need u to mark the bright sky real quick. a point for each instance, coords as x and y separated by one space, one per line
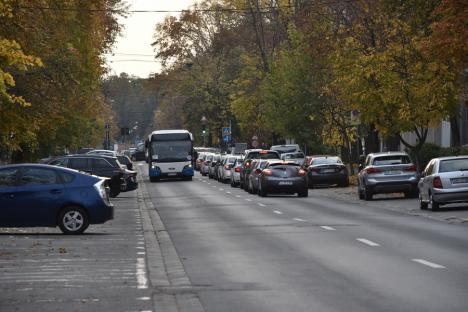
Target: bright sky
133 52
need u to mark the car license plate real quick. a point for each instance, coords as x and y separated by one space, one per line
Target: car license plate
285 183
459 180
172 174
328 170
392 172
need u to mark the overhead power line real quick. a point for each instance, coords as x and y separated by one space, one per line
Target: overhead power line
269 9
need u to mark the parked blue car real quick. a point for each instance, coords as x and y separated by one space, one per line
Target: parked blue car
34 195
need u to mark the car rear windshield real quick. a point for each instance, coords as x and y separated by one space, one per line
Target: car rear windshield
391 160
231 160
326 161
263 155
293 156
460 164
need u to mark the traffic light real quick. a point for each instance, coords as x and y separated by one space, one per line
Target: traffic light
203 129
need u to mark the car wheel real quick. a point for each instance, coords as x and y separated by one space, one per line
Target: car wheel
249 187
73 220
422 205
434 205
303 193
344 183
367 193
261 192
114 192
360 194
188 178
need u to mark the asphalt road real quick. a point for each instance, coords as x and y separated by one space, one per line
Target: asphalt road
241 252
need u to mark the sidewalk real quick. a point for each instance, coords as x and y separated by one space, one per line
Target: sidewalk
455 213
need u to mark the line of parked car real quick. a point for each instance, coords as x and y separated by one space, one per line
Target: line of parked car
282 169
69 191
285 169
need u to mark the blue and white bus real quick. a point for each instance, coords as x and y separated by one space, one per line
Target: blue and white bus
170 154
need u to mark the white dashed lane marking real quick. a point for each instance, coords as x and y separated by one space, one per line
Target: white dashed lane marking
367 242
429 264
329 228
300 220
238 196
261 205
248 199
277 212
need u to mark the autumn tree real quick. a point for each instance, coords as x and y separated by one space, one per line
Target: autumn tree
70 37
388 77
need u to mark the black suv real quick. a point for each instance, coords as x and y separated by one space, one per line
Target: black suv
103 166
246 167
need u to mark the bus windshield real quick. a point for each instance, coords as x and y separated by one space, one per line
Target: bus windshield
171 151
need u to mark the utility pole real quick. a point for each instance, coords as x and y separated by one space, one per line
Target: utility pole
107 141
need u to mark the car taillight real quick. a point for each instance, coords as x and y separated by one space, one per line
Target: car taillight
237 169
301 172
267 172
372 170
411 168
227 167
437 183
101 189
247 165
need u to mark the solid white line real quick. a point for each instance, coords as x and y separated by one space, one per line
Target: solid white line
329 228
367 242
262 205
300 220
429 264
277 212
247 199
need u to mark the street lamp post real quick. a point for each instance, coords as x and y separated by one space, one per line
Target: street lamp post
203 121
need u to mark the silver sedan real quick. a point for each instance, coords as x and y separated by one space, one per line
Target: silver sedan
444 181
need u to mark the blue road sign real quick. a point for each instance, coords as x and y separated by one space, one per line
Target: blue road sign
226 138
226 131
